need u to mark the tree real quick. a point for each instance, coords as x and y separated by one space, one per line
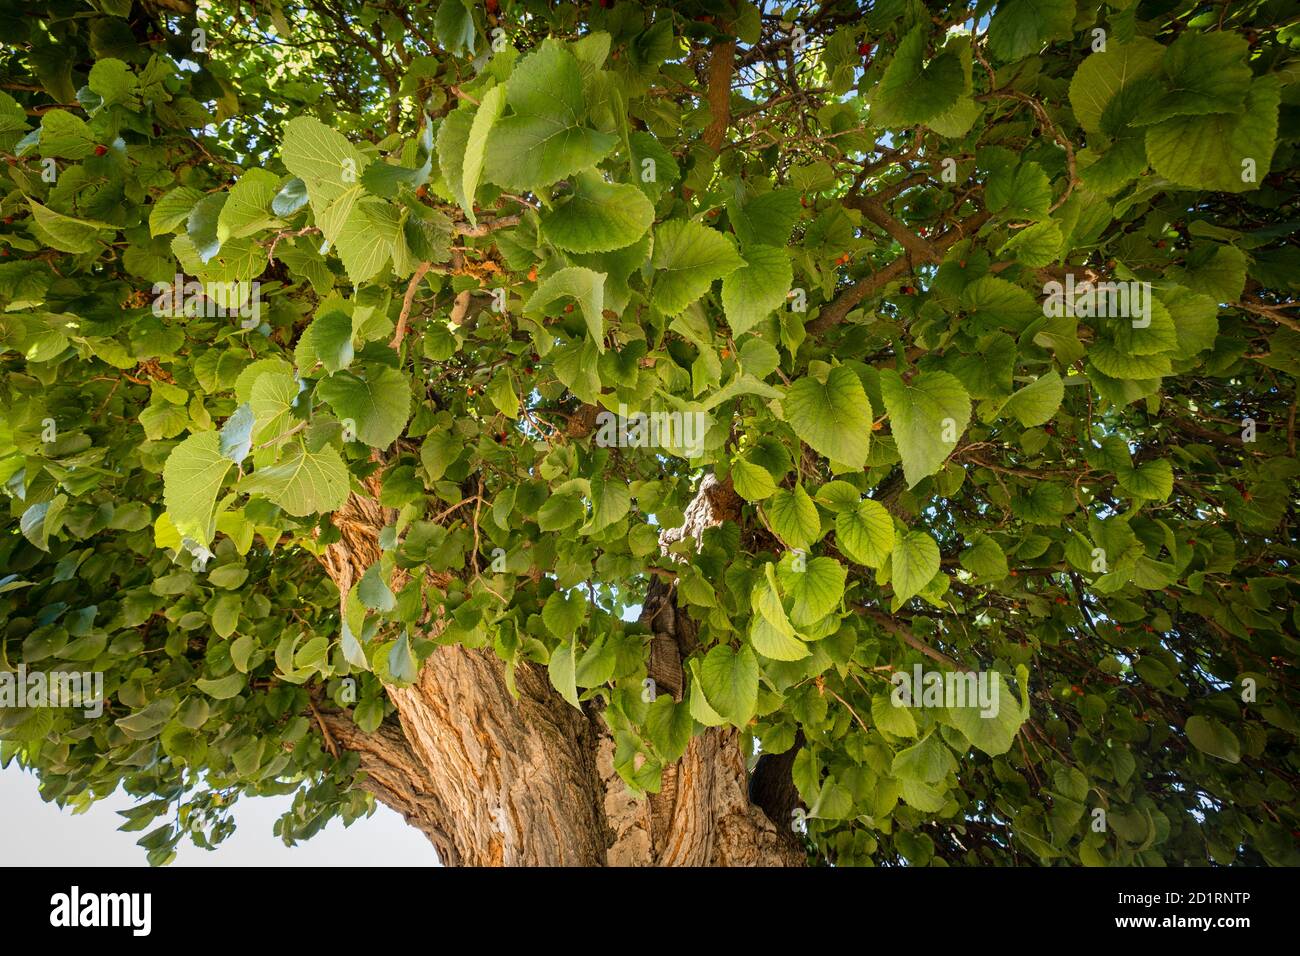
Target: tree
704 433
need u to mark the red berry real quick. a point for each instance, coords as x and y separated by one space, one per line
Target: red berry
101 150
864 49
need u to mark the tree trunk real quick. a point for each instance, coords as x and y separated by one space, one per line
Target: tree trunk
496 781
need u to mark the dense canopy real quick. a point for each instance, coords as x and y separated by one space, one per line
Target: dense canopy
614 405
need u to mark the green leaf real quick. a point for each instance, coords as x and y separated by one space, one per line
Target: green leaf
114 82
1195 319
752 482
560 512
1036 245
271 402
351 647
378 404
990 729
305 483
668 725
401 662
1020 192
485 118
985 559
373 591
729 680
543 141
201 227
563 671
914 561
65 233
1222 152
927 761
193 475
892 718
1212 737
172 209
775 644
793 517
236 435
453 24
247 209
1106 75
598 216
1022 27
610 501
330 166
222 688
327 340
453 148
1221 274
1206 73
1152 480
563 614
579 283
865 533
834 416
927 416
910 92
687 258
1038 401
995 301
501 391
756 289
764 220
814 591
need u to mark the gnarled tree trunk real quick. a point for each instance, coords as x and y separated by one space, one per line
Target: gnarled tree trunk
493 780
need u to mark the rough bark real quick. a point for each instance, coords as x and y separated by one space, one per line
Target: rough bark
493 780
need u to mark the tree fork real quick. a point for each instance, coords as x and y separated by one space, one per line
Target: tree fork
494 780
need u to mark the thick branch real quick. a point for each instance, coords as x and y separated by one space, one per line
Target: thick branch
847 300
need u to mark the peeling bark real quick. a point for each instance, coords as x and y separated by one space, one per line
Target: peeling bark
493 780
